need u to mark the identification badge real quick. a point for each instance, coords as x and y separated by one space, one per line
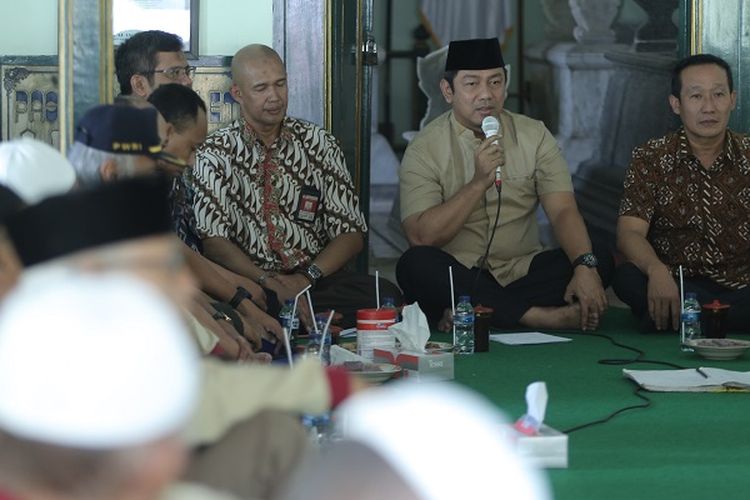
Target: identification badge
307 205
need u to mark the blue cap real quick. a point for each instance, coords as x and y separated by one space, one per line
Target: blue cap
121 130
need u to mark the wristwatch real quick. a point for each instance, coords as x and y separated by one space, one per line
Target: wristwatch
312 273
240 295
587 259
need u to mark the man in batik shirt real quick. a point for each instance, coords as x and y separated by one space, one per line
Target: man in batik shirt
687 203
274 200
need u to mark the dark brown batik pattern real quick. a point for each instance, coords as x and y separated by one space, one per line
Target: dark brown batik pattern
699 217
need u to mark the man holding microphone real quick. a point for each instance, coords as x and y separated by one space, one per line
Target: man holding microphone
452 206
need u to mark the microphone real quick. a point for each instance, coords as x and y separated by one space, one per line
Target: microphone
491 127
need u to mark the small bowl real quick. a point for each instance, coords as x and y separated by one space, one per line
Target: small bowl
376 373
719 349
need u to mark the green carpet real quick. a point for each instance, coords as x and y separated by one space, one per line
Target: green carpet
686 445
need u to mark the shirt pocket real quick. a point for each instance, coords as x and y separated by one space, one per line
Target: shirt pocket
519 194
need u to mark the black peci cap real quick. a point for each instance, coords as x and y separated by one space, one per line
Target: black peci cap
478 53
61 225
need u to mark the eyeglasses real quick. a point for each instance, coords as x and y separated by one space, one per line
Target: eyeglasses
175 73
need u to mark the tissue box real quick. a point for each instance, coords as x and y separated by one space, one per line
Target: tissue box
418 366
548 449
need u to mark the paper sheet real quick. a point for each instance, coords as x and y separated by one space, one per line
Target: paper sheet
524 338
348 332
689 380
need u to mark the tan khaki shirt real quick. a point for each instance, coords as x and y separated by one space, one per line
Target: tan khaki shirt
232 392
440 161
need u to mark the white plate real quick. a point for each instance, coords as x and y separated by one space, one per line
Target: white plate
719 349
439 346
383 373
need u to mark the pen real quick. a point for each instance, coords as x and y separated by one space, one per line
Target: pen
701 372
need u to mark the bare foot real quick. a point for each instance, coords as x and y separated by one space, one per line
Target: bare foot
564 317
446 322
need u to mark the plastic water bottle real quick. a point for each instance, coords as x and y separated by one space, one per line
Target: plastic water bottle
463 322
286 320
320 429
390 303
691 321
313 343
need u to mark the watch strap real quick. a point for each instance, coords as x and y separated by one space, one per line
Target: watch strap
240 295
587 259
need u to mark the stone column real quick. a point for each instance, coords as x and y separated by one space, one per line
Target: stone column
658 33
558 20
594 20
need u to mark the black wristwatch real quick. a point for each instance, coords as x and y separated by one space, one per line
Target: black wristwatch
587 259
312 273
240 295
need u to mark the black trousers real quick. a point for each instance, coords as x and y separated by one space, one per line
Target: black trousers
345 292
631 286
422 273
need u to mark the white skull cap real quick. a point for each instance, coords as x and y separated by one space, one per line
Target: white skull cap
94 362
422 429
34 170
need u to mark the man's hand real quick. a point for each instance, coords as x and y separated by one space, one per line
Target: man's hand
259 325
259 296
586 287
287 286
487 158
663 297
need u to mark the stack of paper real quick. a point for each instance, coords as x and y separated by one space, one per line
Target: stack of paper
691 380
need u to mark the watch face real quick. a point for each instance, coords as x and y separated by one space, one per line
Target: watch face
314 271
589 260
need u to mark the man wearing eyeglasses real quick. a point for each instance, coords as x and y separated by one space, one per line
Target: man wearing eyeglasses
150 59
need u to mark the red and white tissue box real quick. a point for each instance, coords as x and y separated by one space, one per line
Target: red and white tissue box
419 366
548 448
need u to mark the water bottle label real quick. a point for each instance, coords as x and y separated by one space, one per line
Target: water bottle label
690 316
465 318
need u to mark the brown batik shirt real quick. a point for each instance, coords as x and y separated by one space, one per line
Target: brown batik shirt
280 204
699 217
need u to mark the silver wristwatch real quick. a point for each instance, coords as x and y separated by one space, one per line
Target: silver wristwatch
313 273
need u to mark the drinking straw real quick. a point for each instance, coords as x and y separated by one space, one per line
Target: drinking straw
312 312
323 336
294 307
453 302
377 289
288 347
682 306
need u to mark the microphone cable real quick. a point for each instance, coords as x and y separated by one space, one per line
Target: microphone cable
483 260
638 392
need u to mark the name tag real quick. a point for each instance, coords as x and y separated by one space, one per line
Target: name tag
307 204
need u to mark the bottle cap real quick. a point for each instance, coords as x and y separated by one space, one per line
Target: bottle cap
716 305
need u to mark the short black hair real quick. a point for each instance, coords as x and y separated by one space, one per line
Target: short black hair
698 60
450 75
137 55
178 104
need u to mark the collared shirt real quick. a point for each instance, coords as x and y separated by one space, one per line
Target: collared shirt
183 217
440 161
698 217
280 204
